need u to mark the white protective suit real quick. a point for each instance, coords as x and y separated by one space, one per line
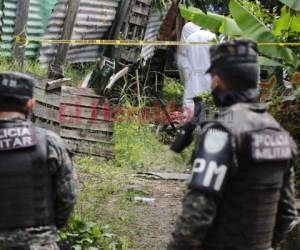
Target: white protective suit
193 62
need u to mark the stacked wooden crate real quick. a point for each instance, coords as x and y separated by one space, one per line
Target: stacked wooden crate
80 116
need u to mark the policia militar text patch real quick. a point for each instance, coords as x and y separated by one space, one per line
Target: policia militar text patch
271 145
17 137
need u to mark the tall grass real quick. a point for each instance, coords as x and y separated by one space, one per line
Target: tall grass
76 72
32 67
137 144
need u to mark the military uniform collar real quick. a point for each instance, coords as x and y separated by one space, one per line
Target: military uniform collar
255 107
13 119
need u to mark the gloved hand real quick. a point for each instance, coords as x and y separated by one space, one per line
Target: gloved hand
185 134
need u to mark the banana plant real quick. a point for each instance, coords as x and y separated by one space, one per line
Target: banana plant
255 29
289 21
213 22
201 4
244 24
293 4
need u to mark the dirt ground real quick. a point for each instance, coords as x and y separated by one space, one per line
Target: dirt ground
153 223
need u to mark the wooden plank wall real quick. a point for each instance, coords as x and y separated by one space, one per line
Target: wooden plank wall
46 110
80 116
86 125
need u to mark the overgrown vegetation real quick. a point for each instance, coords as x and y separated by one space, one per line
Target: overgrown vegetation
247 20
138 147
75 72
103 212
32 67
287 112
137 143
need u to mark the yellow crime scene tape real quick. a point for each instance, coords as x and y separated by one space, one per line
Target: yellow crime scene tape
25 42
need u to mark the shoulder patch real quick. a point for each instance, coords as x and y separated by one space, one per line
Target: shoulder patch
271 145
209 174
215 140
213 158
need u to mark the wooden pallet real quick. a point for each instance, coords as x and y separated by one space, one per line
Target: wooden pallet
80 116
46 110
86 125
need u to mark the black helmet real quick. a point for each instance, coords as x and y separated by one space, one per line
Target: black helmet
233 52
16 85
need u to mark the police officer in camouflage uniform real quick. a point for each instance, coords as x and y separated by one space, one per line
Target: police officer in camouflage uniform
241 192
37 178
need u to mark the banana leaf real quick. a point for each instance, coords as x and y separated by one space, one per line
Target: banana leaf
262 60
286 22
213 22
293 4
254 29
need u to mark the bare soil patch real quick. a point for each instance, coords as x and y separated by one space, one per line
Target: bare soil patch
153 223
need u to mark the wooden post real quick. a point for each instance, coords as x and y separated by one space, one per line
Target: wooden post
56 68
20 30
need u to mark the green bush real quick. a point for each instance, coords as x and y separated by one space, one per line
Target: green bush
103 213
287 112
82 235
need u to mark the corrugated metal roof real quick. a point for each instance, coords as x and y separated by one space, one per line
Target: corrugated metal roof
93 21
8 24
35 25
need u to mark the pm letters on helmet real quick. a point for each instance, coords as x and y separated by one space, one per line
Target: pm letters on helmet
16 137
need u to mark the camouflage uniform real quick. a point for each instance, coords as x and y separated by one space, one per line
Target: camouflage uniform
200 220
64 183
241 193
66 188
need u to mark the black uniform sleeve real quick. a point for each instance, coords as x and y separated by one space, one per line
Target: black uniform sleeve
287 212
213 159
64 179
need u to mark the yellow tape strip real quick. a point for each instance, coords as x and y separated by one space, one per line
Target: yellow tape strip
133 42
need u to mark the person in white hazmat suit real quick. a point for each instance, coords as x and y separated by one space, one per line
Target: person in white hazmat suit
193 61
